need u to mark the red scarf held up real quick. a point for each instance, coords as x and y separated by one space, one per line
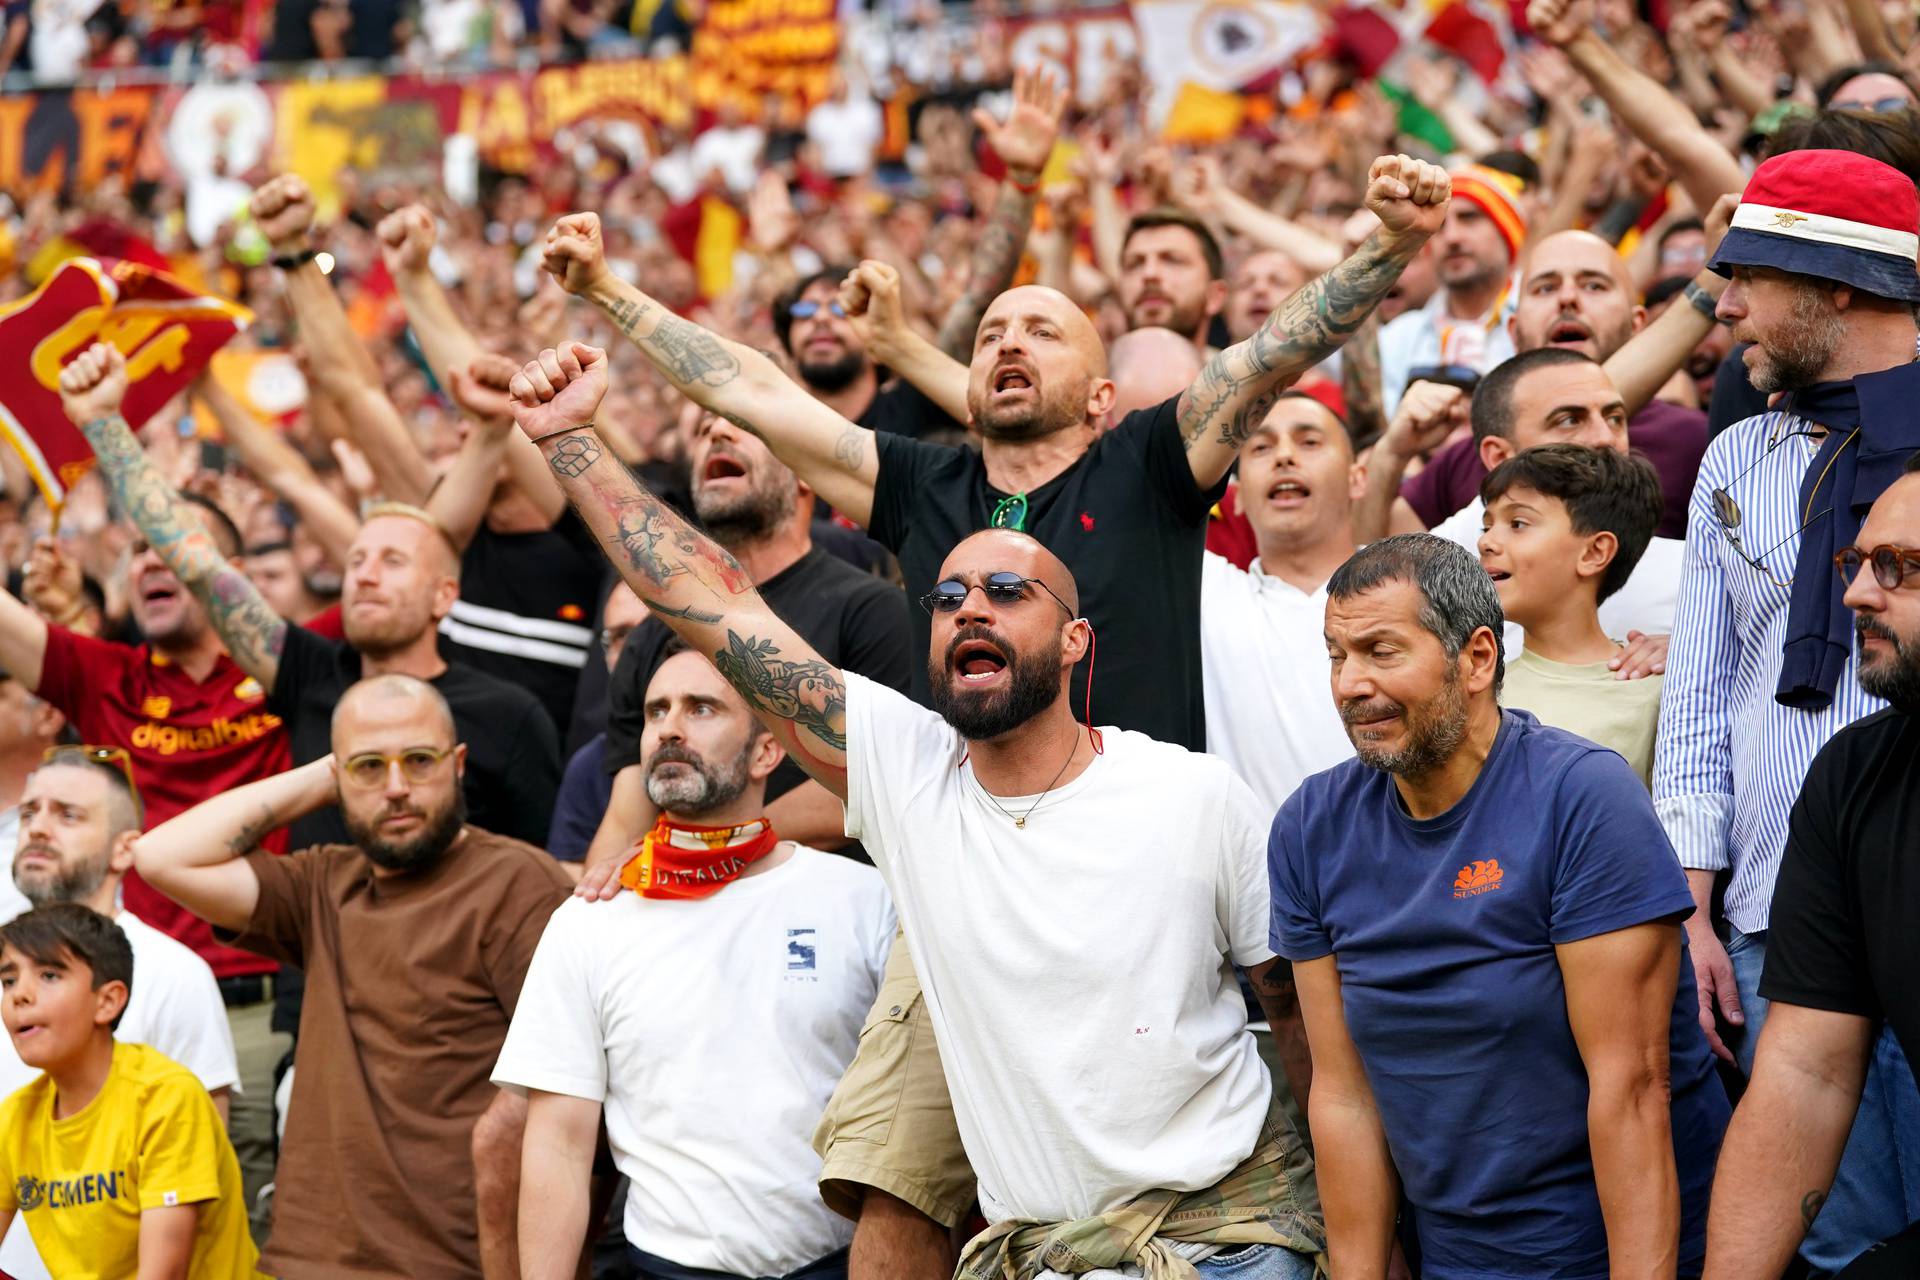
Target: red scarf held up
679 860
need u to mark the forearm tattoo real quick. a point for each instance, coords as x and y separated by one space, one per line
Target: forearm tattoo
254 634
681 349
810 693
1233 393
850 450
996 256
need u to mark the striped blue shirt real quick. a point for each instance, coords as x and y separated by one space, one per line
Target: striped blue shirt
1729 760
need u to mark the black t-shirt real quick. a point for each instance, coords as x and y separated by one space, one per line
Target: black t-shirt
852 619
513 751
1734 397
526 609
1845 931
1127 519
901 409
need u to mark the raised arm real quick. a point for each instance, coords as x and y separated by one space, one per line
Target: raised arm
871 298
1704 167
1358 1185
198 858
406 246
1199 188
279 466
1238 386
836 458
459 501
341 365
689 581
1023 142
91 389
1620 989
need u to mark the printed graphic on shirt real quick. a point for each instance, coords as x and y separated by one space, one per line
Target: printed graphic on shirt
1482 875
67 1193
802 947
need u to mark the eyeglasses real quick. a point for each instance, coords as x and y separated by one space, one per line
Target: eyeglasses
1891 564
1727 510
612 638
369 768
1879 106
1004 587
809 309
115 758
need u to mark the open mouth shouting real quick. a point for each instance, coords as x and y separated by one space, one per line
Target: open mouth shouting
1288 494
1011 381
1569 331
977 661
721 466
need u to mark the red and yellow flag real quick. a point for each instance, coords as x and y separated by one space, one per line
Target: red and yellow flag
166 331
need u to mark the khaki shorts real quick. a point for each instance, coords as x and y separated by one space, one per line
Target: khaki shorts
890 1122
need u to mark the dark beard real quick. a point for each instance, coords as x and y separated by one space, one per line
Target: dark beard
1896 677
717 788
419 853
755 516
835 375
1434 732
981 717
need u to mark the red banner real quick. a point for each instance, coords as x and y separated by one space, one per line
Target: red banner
166 331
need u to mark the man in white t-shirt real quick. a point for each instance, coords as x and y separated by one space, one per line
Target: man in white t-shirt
709 1012
78 818
846 127
28 726
1075 899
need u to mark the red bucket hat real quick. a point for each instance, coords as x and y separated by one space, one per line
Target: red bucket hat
1837 215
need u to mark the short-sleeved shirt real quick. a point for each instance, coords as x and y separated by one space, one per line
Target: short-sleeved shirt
150 1139
1128 519
1444 932
526 606
1590 700
189 741
1845 928
411 983
853 620
1672 437
513 750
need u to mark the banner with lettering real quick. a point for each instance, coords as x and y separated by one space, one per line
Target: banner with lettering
166 331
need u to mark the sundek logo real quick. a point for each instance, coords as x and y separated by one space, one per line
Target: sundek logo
67 1193
1483 875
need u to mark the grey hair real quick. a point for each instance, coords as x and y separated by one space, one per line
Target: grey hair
1458 596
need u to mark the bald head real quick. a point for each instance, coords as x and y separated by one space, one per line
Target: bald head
1575 292
1038 368
1010 551
392 701
1150 366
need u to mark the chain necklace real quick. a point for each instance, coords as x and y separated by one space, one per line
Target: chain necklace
1020 820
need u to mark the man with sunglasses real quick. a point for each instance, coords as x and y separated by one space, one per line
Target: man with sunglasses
400 1157
1844 942
1762 672
1012 833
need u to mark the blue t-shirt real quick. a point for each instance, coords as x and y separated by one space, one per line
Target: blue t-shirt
1444 933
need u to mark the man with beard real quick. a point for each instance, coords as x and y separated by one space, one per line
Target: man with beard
754 507
79 817
1762 670
1842 948
1483 920
402 577
1172 276
1106 504
1006 828
399 1158
770 943
1462 328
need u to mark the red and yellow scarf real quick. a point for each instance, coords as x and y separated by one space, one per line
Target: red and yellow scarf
679 860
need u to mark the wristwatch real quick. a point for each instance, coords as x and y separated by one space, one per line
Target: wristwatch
1703 302
294 261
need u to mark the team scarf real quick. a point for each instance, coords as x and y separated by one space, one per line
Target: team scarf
679 860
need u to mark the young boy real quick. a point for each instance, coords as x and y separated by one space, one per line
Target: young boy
115 1154
1564 527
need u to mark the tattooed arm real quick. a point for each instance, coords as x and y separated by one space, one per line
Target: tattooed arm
199 858
836 458
689 581
91 389
1236 388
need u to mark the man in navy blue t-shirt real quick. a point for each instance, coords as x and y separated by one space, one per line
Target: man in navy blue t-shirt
1483 916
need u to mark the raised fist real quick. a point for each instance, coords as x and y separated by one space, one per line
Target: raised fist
1428 413
93 386
575 255
406 238
1409 196
559 390
52 582
870 295
481 389
284 209
1559 22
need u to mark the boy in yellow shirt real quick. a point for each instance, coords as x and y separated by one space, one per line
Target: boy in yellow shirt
1564 527
115 1155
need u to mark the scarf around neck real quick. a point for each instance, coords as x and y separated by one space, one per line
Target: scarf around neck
681 860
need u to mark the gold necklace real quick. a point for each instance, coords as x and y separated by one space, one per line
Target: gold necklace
1020 820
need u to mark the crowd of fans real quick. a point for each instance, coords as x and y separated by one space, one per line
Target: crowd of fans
1087 706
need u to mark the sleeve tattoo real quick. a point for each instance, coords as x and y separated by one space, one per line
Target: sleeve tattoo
683 350
809 693
996 256
1238 386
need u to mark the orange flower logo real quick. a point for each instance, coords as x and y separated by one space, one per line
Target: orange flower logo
1483 875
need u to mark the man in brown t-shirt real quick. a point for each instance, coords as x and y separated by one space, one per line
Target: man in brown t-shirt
400 1158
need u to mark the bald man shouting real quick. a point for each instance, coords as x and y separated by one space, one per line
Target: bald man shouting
1115 1110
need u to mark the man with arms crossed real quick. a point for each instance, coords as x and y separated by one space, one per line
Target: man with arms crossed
772 943
1483 920
1141 1131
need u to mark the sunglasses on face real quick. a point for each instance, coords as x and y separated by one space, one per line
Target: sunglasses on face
1879 106
809 309
369 768
1002 588
1890 564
